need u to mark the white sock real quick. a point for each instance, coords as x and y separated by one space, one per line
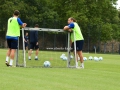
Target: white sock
36 56
11 62
82 64
29 57
76 64
7 58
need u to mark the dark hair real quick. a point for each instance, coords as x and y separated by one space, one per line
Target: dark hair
36 25
74 20
16 12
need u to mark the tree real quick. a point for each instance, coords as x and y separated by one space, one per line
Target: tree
7 8
99 19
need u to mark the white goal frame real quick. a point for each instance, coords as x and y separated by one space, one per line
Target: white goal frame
51 30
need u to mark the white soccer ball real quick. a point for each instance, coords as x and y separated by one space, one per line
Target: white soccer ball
63 54
64 58
71 57
84 58
61 57
100 58
47 64
96 59
90 58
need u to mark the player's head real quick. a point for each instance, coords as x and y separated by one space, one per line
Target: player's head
36 26
71 19
16 13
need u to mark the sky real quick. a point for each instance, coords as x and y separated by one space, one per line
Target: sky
118 2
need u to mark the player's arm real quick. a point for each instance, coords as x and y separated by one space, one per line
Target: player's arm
21 23
25 40
69 27
66 28
28 40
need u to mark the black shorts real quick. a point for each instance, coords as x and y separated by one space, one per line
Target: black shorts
12 43
79 45
33 45
26 44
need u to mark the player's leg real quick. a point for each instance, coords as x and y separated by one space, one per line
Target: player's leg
29 54
37 51
30 51
72 50
8 52
12 55
7 57
81 58
36 54
14 44
76 58
79 46
26 47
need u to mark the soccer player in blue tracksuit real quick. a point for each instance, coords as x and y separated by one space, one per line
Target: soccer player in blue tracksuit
26 41
34 42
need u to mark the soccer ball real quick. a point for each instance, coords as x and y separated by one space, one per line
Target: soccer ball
90 58
71 57
100 58
63 55
84 58
64 58
96 58
47 64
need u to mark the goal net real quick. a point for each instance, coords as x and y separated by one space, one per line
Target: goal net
54 47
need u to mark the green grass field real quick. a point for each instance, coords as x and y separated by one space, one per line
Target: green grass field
102 75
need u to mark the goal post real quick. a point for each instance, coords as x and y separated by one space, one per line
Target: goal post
74 65
24 59
50 54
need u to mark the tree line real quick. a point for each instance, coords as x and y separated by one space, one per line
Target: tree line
99 19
